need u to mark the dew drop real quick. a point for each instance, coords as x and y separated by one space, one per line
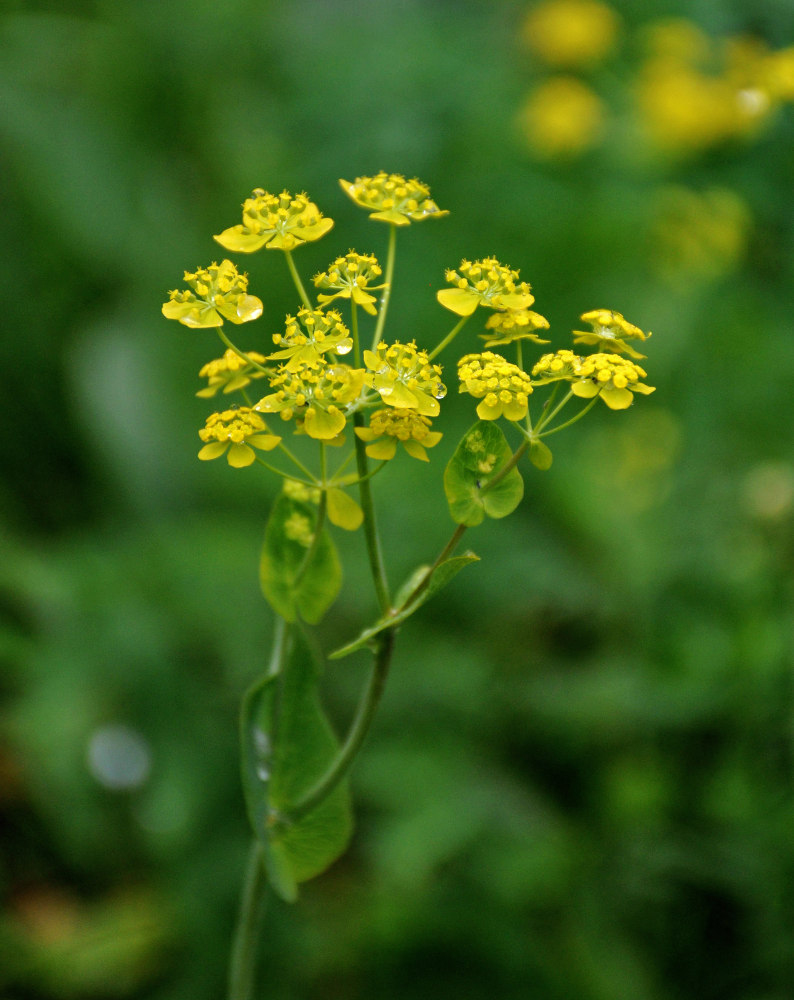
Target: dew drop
386 390
263 773
343 349
440 390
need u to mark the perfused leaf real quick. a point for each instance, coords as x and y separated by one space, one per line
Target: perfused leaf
292 585
343 511
479 458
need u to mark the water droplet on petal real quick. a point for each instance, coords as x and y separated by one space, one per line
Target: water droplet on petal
386 390
343 349
440 390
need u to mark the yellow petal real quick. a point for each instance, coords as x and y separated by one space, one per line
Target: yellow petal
265 442
584 390
241 240
461 301
395 218
324 424
617 399
415 450
212 450
240 455
343 511
382 450
486 412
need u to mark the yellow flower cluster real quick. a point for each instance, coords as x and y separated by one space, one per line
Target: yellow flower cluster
556 367
387 427
514 324
316 394
405 378
614 377
484 283
348 278
229 373
276 221
219 292
311 335
391 198
503 387
610 332
237 431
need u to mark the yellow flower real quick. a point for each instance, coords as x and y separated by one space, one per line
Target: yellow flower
405 378
514 324
779 73
229 373
610 332
562 117
311 335
240 431
316 394
392 198
387 427
348 278
614 377
572 33
219 293
484 283
276 221
503 387
556 367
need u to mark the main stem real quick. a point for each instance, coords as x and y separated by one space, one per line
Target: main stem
249 922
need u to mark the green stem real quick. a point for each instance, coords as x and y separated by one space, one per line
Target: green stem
239 353
296 462
449 338
318 529
297 279
573 420
249 922
284 475
447 551
359 728
388 281
509 464
374 552
354 331
546 417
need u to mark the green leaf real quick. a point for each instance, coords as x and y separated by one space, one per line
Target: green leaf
540 455
440 577
292 586
478 459
287 745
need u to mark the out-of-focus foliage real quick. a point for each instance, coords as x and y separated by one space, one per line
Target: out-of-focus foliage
580 781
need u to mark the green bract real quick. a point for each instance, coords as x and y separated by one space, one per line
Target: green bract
474 481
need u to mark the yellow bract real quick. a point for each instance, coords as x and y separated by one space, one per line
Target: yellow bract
311 335
219 293
613 377
503 387
404 377
229 373
239 431
387 427
610 332
348 277
316 394
484 283
391 198
276 221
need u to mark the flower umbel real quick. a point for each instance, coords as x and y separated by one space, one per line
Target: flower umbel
614 377
348 278
316 394
556 368
503 387
405 378
484 283
392 198
276 221
610 332
514 324
311 335
239 430
387 427
229 373
219 293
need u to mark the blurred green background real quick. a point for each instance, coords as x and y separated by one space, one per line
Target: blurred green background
579 783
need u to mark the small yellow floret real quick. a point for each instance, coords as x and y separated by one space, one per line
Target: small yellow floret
239 431
404 377
571 33
219 292
229 373
313 334
613 377
348 278
391 198
276 221
318 395
387 427
610 332
502 386
486 283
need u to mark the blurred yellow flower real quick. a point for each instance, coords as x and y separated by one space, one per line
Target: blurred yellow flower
387 427
276 221
229 373
405 378
503 387
613 377
237 431
392 198
562 117
779 74
571 33
218 293
484 283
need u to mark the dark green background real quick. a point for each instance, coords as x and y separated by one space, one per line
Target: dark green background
579 784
